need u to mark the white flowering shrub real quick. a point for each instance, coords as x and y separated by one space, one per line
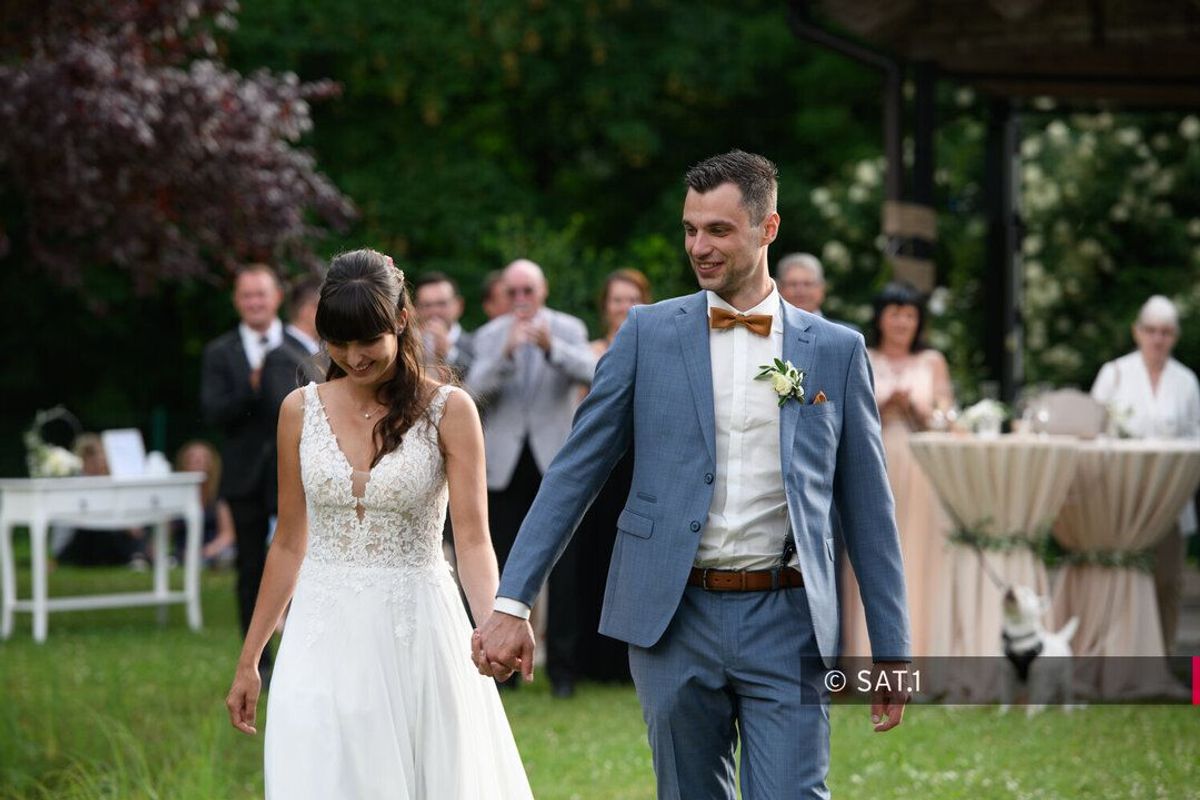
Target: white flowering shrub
1111 216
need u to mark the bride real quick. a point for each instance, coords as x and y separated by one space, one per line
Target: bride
374 692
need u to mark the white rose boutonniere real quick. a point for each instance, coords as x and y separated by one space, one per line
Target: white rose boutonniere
786 380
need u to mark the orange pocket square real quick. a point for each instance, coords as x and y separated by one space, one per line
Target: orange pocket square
820 398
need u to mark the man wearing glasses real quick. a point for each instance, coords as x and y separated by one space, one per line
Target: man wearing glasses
529 364
440 306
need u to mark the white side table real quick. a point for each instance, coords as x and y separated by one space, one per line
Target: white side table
99 503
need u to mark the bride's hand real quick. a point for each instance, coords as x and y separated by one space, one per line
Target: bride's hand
490 669
242 700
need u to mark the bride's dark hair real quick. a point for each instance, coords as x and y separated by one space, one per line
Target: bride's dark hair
362 297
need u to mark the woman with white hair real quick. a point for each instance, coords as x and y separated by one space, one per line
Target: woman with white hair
1157 397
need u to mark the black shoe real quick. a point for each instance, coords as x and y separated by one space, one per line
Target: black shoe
563 689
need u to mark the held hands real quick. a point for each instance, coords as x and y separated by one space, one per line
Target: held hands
242 700
890 695
503 645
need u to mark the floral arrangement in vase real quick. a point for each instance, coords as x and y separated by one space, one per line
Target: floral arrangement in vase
985 417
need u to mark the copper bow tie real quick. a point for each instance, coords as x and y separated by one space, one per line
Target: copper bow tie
721 320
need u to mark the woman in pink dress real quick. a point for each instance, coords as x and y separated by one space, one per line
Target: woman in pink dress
911 381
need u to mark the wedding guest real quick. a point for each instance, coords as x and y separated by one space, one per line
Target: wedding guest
219 541
88 547
231 400
801 281
495 298
1157 397
529 365
440 307
298 359
600 657
911 380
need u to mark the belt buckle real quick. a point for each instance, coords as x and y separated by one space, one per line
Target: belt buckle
704 579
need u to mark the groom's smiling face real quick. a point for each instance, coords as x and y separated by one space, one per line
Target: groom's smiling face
726 250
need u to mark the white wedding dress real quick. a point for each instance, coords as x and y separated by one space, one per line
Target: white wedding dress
374 693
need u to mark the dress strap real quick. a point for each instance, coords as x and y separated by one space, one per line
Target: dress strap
437 405
312 400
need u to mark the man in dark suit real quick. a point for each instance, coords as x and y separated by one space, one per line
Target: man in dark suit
231 400
440 306
297 361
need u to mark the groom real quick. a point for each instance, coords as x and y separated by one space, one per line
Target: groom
722 580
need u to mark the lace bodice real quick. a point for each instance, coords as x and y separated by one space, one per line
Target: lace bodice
397 522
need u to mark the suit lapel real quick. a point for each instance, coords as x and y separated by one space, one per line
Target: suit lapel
692 323
799 347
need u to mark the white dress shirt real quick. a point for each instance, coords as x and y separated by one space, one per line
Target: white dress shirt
747 522
310 344
1172 412
252 342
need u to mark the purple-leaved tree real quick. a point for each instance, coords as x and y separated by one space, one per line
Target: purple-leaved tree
125 141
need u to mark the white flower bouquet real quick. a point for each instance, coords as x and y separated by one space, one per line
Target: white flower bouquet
985 417
47 460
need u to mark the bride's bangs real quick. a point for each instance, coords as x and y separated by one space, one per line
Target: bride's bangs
354 312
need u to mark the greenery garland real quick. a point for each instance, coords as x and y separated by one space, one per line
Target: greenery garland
1044 547
1141 560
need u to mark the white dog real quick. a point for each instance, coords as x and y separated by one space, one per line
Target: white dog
1040 659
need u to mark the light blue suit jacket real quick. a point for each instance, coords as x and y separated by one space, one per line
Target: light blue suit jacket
654 389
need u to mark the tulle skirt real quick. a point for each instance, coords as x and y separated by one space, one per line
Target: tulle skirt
374 695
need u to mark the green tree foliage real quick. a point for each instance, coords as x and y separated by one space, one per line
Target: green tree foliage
473 133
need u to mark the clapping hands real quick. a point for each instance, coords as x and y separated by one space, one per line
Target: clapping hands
527 331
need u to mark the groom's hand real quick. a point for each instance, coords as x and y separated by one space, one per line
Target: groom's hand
891 682
506 643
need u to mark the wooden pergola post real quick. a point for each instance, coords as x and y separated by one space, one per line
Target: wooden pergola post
1004 337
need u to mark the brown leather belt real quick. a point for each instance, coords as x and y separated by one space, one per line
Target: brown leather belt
753 580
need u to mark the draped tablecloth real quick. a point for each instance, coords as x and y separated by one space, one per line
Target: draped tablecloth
1003 494
1126 496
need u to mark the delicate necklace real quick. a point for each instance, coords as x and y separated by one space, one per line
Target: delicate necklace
372 412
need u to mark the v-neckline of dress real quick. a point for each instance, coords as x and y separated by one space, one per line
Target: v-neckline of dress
370 473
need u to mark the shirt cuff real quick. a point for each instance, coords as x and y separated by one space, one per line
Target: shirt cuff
506 605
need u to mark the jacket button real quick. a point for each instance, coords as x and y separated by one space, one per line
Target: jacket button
708 477
695 526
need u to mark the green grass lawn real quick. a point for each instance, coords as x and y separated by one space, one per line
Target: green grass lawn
115 706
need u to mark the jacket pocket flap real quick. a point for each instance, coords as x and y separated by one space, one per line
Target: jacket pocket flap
635 524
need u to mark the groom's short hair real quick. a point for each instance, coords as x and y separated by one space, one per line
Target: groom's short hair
756 176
